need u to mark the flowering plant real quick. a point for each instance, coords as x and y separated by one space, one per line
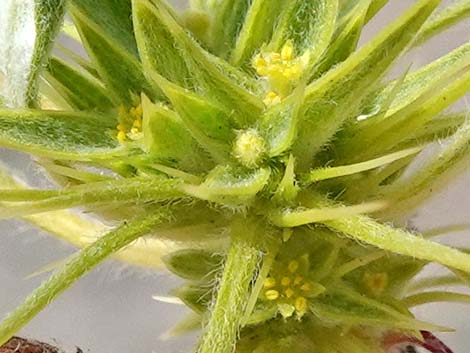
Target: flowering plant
249 147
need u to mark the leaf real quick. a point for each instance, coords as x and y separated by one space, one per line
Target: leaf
192 264
62 135
78 266
107 33
180 60
208 122
256 30
28 29
230 185
81 90
346 307
399 241
279 123
449 16
334 98
309 25
167 138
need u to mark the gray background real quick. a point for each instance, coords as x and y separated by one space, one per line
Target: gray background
112 310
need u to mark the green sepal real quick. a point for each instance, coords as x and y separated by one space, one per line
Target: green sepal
107 34
195 296
334 98
279 123
30 29
193 264
167 138
343 306
62 135
179 59
231 185
256 30
309 25
79 89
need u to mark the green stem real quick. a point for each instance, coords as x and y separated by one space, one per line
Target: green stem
82 263
227 315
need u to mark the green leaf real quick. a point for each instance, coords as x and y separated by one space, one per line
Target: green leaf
229 16
279 123
28 30
192 264
399 241
179 59
167 138
209 123
78 266
54 134
309 25
107 33
195 296
449 16
256 30
346 307
230 185
334 98
81 90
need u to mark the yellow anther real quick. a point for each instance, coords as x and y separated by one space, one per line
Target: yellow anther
298 280
300 305
275 57
293 266
287 52
271 99
307 287
289 293
285 281
137 123
271 294
134 131
121 136
269 282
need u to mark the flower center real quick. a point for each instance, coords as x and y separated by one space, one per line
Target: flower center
130 123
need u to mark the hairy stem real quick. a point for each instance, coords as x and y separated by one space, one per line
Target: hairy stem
227 315
82 263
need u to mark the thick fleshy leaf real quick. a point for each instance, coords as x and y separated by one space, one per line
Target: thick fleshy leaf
78 266
81 90
167 49
27 30
168 139
256 30
107 33
332 99
309 25
230 185
63 135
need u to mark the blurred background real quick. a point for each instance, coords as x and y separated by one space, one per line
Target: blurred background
112 311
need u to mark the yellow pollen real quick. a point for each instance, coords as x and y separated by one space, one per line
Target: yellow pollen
287 52
269 282
307 287
285 281
289 292
271 294
300 304
298 280
121 136
293 266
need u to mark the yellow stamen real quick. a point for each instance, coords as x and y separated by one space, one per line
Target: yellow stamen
271 294
301 304
285 281
298 280
289 292
134 131
293 266
269 282
121 136
287 52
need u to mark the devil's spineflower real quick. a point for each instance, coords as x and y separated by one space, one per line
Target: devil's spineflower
260 154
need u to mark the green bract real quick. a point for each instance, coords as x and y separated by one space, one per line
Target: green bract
251 148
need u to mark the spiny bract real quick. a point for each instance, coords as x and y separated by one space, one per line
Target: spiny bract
246 142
